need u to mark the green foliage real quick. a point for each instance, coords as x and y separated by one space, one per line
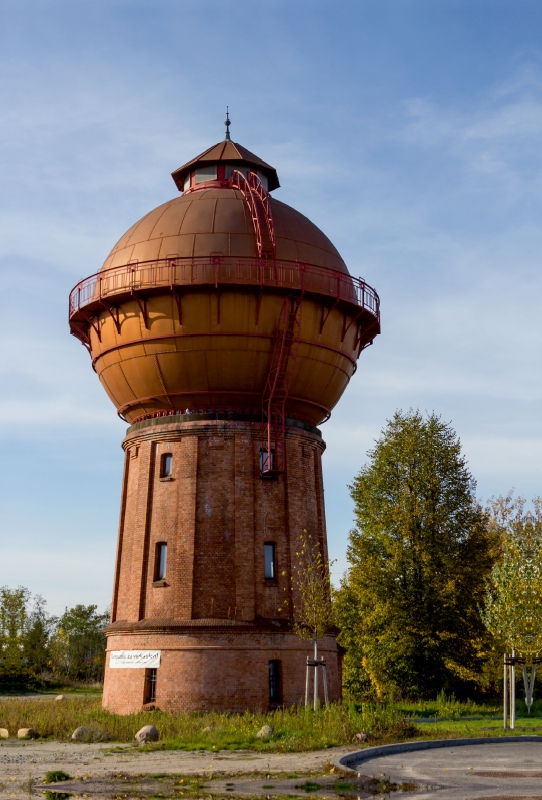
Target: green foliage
448 706
311 591
408 605
24 633
78 648
513 604
55 776
34 644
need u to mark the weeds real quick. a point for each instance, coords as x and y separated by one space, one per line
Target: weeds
447 706
296 729
55 776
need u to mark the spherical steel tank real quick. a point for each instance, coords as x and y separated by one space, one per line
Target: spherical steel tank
221 297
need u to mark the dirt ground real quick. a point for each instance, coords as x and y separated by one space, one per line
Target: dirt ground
23 760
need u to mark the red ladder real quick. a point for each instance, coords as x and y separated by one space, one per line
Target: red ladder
287 335
257 199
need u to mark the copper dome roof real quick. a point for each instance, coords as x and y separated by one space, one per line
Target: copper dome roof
218 221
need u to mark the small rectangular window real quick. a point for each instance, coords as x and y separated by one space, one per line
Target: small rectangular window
269 558
275 688
206 174
150 685
230 167
165 465
160 561
263 179
186 184
267 462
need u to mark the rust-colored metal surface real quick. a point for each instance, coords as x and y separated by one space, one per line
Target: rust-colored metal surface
183 333
188 310
219 221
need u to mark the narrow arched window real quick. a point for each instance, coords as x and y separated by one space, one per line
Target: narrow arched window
160 561
166 462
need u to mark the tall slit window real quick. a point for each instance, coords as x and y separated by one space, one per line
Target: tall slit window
270 561
166 463
150 685
275 689
160 561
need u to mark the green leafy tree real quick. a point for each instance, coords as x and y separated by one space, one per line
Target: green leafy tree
310 588
311 592
78 647
14 666
408 605
513 604
39 629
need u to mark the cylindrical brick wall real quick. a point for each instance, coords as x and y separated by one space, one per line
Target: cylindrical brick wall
215 617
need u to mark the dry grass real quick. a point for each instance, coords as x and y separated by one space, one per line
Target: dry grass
296 729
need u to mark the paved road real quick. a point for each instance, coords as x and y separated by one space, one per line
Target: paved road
508 770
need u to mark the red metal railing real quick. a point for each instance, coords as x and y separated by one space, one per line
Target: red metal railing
257 199
217 270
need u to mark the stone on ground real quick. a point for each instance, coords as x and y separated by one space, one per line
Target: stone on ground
27 733
148 733
264 732
60 697
362 736
4 733
82 734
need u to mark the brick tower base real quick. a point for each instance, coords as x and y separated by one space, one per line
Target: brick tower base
222 624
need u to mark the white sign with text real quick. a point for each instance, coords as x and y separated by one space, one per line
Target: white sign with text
134 659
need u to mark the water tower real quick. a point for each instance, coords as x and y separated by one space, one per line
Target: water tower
224 326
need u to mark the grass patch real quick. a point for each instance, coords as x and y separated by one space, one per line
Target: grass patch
462 729
450 707
296 729
55 776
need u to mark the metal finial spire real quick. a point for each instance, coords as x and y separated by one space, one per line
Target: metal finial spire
227 123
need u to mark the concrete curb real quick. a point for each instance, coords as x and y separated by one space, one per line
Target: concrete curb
345 762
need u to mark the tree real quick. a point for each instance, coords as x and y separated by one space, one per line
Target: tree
408 605
39 628
513 603
311 597
78 648
14 667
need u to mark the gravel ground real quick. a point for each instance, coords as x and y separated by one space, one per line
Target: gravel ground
21 761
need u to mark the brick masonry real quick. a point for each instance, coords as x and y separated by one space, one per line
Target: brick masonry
216 619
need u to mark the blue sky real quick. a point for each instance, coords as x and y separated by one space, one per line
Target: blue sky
410 131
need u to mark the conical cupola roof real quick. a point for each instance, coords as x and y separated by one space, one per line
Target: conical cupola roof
231 153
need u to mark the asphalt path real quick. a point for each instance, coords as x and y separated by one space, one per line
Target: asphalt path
510 770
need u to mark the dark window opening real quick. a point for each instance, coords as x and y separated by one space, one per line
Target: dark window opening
160 561
165 465
267 462
150 685
270 561
275 688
